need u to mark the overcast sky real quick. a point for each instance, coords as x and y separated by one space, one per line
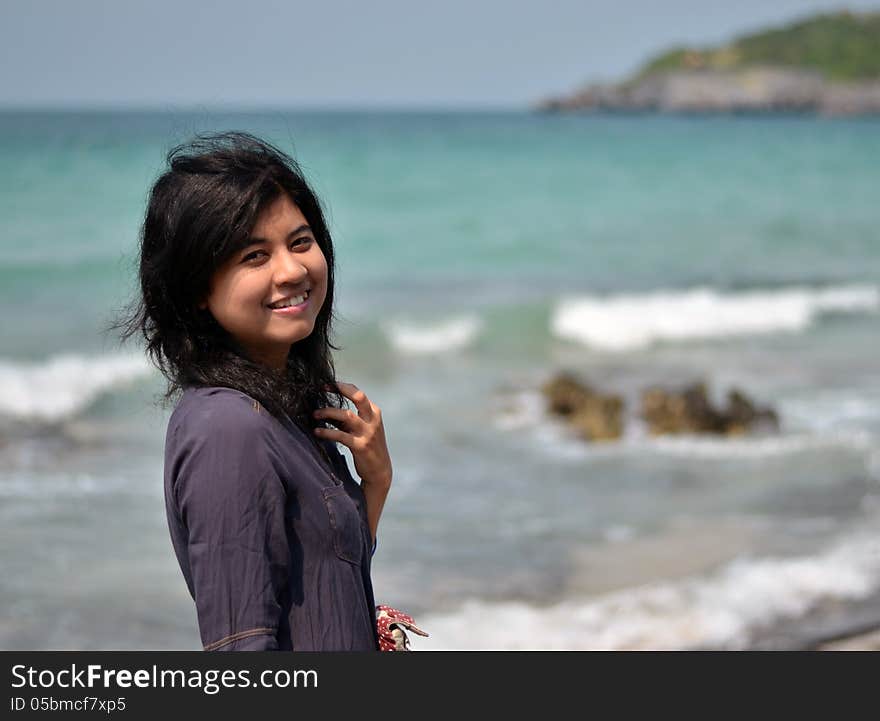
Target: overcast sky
332 53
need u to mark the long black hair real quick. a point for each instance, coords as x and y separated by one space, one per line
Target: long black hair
200 211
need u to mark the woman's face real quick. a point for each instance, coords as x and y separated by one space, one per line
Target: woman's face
282 264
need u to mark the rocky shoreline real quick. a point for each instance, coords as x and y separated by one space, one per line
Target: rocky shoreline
768 89
596 416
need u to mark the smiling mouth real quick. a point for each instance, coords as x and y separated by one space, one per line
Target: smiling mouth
291 301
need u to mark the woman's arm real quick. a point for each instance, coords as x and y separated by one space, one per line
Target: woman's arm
375 493
233 503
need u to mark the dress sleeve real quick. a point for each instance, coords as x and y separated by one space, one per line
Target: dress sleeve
232 502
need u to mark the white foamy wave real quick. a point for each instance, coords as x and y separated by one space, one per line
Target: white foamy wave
523 410
690 446
64 384
618 533
827 410
716 611
51 486
447 335
627 322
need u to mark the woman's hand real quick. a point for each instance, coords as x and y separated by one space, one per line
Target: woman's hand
362 432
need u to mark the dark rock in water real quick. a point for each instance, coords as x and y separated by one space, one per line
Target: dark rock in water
597 417
686 412
594 416
565 394
743 415
690 411
600 419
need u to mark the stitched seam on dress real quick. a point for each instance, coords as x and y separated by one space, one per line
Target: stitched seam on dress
236 636
335 530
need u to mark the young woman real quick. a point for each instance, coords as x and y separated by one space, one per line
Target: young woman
273 535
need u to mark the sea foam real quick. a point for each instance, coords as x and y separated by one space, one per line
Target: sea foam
441 336
627 322
716 611
63 385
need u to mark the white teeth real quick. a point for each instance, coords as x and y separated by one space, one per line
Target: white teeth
289 302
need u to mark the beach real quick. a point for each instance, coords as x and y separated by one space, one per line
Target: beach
479 255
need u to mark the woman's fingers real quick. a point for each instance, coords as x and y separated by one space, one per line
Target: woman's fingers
362 432
358 397
340 416
333 434
351 425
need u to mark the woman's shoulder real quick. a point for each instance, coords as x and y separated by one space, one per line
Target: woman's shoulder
219 442
215 409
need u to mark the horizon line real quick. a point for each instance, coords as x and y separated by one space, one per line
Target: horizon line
258 107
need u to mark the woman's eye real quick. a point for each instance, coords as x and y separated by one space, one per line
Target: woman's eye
255 255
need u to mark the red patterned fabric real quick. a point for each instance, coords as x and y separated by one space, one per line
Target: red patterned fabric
391 624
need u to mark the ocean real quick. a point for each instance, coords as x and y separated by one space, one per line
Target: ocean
478 255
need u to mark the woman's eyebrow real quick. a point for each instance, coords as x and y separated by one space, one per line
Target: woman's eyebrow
253 240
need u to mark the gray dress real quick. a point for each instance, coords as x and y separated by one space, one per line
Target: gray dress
273 543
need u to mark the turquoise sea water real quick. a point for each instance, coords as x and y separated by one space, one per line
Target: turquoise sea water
477 254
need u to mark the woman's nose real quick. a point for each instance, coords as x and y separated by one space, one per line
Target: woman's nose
288 269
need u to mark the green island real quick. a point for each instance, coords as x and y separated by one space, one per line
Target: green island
827 64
